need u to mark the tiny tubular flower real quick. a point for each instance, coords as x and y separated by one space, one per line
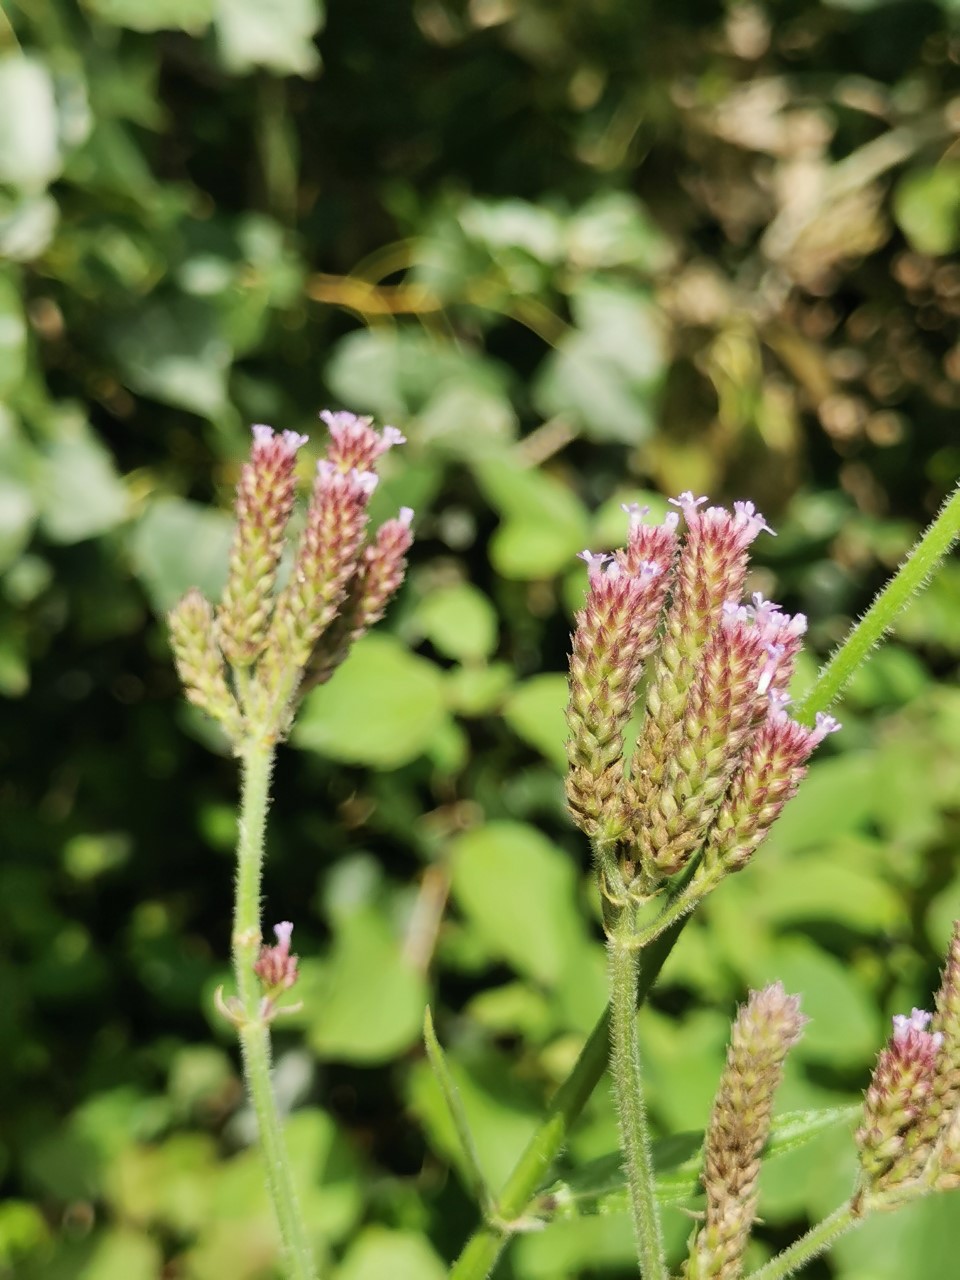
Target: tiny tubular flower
275 966
354 442
765 1030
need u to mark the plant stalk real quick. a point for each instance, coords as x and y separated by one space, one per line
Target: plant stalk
909 579
483 1249
816 1240
254 1029
631 1108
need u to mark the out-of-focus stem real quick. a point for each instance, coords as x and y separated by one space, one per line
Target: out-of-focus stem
253 1028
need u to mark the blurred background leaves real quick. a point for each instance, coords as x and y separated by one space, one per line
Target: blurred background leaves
582 255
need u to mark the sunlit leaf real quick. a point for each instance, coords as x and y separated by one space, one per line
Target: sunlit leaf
383 707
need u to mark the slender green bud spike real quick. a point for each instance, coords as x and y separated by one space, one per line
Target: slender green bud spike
765 1030
199 662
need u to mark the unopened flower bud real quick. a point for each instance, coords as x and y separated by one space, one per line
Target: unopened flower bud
768 774
897 1103
376 581
766 1028
676 795
265 498
199 662
276 967
615 632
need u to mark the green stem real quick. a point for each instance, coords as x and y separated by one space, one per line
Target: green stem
254 1028
483 1249
628 1088
869 631
816 1240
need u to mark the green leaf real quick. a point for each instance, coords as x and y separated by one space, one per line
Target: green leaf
17 517
371 999
606 372
401 1255
192 16
544 524
808 888
518 890
614 229
477 691
467 421
844 1028
459 621
383 708
124 1254
276 34
177 545
23 1231
13 337
79 492
468 1152
397 373
30 155
599 1185
926 205
835 797
501 1109
536 711
175 352
27 226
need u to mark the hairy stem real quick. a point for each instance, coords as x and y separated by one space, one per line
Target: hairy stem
628 1089
816 1240
483 1249
254 1029
909 579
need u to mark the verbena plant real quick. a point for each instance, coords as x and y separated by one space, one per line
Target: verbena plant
719 753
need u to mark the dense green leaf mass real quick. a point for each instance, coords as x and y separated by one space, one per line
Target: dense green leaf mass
582 255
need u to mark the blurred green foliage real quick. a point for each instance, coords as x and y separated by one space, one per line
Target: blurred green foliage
581 254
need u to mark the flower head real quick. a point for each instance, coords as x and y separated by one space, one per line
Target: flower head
276 967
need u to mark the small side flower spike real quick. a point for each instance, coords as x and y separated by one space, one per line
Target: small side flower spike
899 1132
765 1030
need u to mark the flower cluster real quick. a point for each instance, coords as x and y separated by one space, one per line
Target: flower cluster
718 755
909 1138
338 585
